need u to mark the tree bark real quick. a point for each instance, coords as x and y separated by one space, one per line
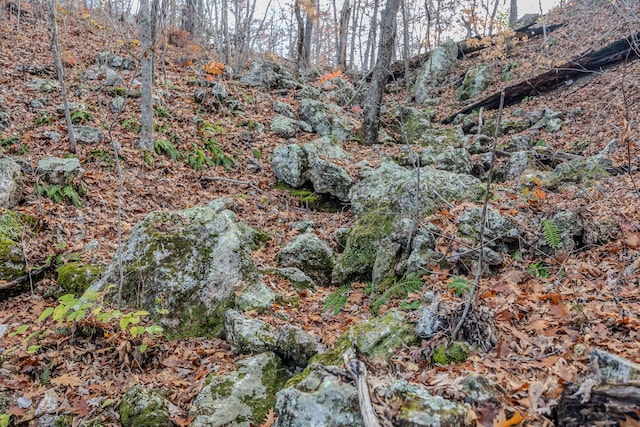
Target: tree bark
146 131
345 14
513 12
371 123
55 49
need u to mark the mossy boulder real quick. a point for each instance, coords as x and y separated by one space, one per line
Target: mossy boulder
327 119
476 80
142 407
12 224
11 179
242 397
188 264
248 335
75 278
579 171
444 354
385 198
434 72
310 254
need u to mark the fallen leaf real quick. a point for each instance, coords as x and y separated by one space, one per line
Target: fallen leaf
67 380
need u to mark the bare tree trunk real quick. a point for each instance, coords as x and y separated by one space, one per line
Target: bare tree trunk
300 60
513 12
225 33
146 132
55 49
308 33
371 123
405 42
345 13
354 32
493 16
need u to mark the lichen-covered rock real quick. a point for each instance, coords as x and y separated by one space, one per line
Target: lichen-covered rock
263 72
615 369
248 335
476 80
519 162
289 163
87 134
12 262
386 196
579 171
326 176
549 119
284 127
454 160
297 346
10 182
338 91
255 296
410 123
48 408
189 262
419 408
284 109
142 407
320 399
326 119
73 106
311 255
500 232
242 397
43 85
117 104
298 279
75 278
569 228
435 70
5 120
59 171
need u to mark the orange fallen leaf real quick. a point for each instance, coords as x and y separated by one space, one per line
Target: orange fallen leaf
516 419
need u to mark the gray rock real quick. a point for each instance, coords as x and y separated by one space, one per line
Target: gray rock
434 72
47 409
581 170
284 109
298 279
87 134
480 390
73 106
476 80
263 72
418 408
549 119
144 407
256 296
499 231
242 397
117 104
430 322
570 228
37 104
311 255
104 57
55 170
519 162
284 127
10 182
105 74
412 123
326 119
248 335
615 369
309 92
43 85
386 196
454 160
338 91
5 120
297 346
321 399
289 163
52 135
111 78
197 259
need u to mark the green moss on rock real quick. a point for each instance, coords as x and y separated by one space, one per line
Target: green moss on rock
456 353
75 278
143 408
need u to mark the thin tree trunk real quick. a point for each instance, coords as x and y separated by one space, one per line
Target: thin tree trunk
345 13
55 49
300 60
146 132
513 12
371 123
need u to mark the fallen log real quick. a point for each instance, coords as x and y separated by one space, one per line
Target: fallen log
606 405
621 50
465 48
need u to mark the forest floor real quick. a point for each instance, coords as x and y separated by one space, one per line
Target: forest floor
545 321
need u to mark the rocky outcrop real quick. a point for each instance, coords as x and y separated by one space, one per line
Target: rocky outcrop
144 407
269 74
10 183
59 171
311 255
327 119
435 70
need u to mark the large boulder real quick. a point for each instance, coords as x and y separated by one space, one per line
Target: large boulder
142 407
267 73
310 254
10 182
476 80
383 201
248 335
12 225
240 398
87 134
435 71
58 171
296 165
326 119
190 262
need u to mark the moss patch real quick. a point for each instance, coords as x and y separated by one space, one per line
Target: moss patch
456 353
75 278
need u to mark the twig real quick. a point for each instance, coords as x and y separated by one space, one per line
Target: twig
358 371
485 205
232 181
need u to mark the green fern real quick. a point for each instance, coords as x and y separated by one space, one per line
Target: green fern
460 285
337 299
551 233
398 289
70 193
167 147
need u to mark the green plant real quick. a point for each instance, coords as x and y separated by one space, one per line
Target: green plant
507 70
167 147
43 119
59 193
398 288
131 125
551 233
197 159
149 157
162 111
81 116
538 269
9 140
257 153
5 420
118 91
220 158
337 299
460 285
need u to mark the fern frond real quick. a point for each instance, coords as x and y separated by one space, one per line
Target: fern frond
337 299
397 290
551 233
